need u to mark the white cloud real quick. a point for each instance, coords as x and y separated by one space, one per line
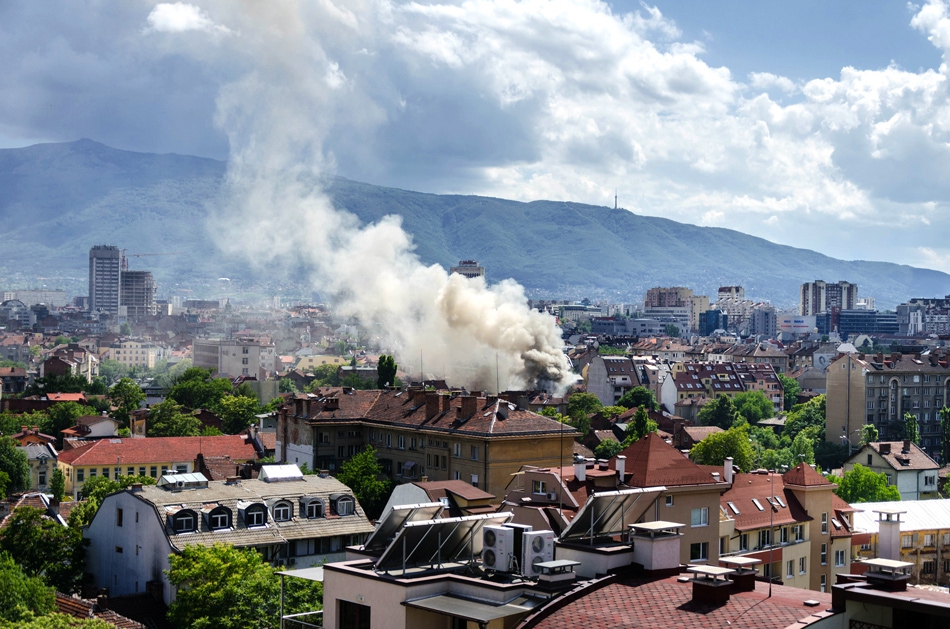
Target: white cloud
767 80
180 17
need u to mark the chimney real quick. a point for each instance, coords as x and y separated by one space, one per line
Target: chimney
906 448
432 405
469 405
136 487
418 397
446 403
727 470
889 533
621 464
331 404
885 448
424 479
323 473
580 469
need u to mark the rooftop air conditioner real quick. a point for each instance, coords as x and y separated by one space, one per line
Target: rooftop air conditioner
538 547
497 544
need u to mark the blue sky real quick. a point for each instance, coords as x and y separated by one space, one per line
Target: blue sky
823 125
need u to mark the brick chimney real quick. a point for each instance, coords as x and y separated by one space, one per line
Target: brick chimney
885 448
418 397
446 403
906 448
432 405
469 406
331 404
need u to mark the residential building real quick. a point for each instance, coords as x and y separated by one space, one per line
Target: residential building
137 294
42 460
291 519
136 353
730 292
764 321
230 358
924 316
154 456
32 434
879 389
906 466
762 377
609 377
468 268
105 286
457 497
820 296
479 440
792 522
924 536
690 380
93 427
13 380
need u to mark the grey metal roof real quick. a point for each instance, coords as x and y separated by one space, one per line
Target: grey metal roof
921 515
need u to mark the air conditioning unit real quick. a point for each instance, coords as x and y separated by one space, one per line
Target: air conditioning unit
538 547
552 495
497 545
292 561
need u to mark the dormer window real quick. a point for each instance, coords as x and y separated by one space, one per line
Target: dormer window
254 514
282 512
344 505
314 509
184 521
216 517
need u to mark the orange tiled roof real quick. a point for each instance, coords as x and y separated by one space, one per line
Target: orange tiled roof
651 462
159 450
761 487
805 475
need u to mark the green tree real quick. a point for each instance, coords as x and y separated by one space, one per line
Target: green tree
640 426
581 423
323 376
583 326
911 428
811 413
53 383
112 371
862 484
94 490
638 397
15 464
714 449
56 620
237 413
671 330
286 385
125 329
608 449
586 403
197 388
945 436
45 548
869 434
790 390
386 371
361 474
61 416
222 587
608 350
22 595
167 420
611 412
4 484
126 396
754 406
167 379
720 412
57 485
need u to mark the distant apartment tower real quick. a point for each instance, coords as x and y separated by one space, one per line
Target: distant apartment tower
731 292
664 302
820 296
105 279
468 268
231 358
138 294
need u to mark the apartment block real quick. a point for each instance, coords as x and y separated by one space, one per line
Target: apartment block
820 296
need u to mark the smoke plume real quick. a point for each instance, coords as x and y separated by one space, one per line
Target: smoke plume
276 214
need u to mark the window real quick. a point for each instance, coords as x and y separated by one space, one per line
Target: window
340 452
219 520
118 517
474 480
105 472
946 540
839 558
699 517
80 475
164 470
824 583
142 471
244 361
42 478
474 453
401 442
699 551
457 451
412 443
824 523
907 541
824 554
92 472
928 480
118 549
184 522
344 506
799 532
870 460
758 505
314 509
538 487
458 475
765 538
790 568
254 517
928 567
928 540
669 501
743 541
153 472
282 512
802 563
783 535
946 565
389 441
243 350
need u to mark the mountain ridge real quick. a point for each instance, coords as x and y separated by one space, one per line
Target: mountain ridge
58 199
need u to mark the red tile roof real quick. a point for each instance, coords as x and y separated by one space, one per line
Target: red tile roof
66 397
159 450
654 603
652 462
805 475
761 487
914 459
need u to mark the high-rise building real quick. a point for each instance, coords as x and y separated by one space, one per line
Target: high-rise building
138 294
105 285
820 296
468 268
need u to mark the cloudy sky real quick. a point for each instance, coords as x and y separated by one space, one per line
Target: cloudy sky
822 125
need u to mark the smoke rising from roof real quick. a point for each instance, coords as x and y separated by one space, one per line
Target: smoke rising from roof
276 214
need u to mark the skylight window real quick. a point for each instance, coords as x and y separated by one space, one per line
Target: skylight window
758 505
780 501
732 506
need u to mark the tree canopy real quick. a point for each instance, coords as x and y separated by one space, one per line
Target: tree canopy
945 436
126 396
640 426
811 413
198 388
715 448
790 390
754 406
720 412
639 397
15 464
93 492
22 595
862 484
386 371
911 428
167 420
237 412
586 403
361 474
45 548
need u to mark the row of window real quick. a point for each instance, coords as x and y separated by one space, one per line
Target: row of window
153 471
254 514
910 540
387 439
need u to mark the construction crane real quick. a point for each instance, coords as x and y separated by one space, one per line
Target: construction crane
125 257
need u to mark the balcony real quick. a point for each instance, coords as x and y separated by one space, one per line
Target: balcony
306 620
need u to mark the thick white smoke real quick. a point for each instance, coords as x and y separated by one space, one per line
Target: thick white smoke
277 117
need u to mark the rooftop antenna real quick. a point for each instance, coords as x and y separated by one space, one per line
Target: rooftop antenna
615 198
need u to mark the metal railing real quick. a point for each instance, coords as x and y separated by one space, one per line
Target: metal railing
305 620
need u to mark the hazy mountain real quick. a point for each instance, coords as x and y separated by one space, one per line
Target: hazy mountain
56 200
